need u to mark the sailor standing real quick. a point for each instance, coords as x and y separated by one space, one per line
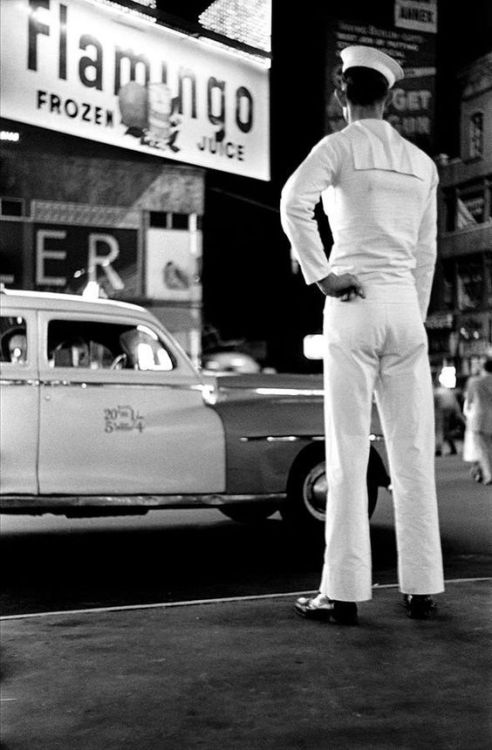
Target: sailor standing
379 193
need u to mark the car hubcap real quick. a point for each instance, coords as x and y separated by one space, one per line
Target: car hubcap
315 491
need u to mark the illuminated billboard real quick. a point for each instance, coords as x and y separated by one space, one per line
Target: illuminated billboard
404 29
92 71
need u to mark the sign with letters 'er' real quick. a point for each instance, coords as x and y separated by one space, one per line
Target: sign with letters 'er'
97 73
67 257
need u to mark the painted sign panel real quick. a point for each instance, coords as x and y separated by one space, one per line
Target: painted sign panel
94 72
11 259
172 265
66 257
419 15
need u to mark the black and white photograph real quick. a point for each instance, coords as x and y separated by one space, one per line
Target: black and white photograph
245 375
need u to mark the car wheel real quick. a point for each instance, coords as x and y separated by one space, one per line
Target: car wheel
308 493
254 513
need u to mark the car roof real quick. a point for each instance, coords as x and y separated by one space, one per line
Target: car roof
57 301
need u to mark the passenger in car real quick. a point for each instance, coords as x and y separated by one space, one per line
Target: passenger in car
18 348
14 345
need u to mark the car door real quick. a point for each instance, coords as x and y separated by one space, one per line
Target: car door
19 399
122 412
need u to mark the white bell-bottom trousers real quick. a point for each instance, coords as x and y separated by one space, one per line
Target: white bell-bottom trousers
378 345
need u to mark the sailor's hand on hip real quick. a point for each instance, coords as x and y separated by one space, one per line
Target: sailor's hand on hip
346 286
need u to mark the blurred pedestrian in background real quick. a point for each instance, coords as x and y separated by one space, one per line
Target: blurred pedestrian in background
449 418
379 192
477 448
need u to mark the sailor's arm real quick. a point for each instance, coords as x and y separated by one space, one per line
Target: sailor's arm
299 197
426 251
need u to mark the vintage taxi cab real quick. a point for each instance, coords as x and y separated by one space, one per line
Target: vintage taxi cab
102 412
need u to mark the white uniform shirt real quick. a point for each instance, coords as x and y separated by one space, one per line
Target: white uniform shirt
379 193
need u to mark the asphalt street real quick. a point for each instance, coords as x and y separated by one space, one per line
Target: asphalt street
57 564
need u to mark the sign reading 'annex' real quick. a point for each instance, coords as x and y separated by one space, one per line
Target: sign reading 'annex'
77 68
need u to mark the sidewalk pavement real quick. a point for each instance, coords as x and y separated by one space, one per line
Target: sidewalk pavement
248 674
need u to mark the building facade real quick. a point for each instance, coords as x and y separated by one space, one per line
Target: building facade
460 326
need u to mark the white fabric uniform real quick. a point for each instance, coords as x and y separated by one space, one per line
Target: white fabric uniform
379 192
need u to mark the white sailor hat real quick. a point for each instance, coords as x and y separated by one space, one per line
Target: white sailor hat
369 57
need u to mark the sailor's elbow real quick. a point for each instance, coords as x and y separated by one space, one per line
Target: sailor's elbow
290 206
285 198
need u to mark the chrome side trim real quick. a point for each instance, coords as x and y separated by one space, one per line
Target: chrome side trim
279 438
54 502
284 393
289 391
101 384
20 381
373 438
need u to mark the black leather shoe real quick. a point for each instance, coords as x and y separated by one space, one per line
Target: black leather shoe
320 607
419 606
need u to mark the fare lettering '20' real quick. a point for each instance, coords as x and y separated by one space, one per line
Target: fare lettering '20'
90 69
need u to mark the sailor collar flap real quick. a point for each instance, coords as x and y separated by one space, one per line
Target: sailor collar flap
385 150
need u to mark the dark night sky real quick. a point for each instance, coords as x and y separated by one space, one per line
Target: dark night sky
464 34
465 29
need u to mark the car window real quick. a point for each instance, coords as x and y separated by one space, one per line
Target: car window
111 346
13 340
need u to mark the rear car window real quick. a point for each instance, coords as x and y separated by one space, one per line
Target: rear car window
13 340
110 346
